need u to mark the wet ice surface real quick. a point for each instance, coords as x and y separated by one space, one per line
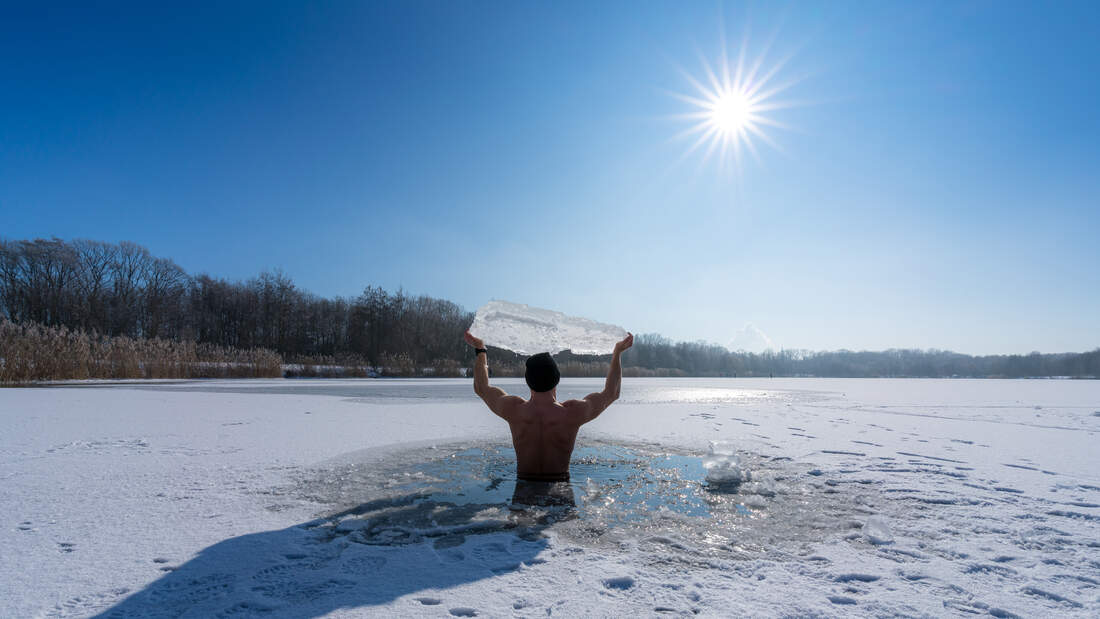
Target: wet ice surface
350 498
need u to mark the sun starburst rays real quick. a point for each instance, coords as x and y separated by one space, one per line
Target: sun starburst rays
733 104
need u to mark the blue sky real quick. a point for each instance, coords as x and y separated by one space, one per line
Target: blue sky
938 185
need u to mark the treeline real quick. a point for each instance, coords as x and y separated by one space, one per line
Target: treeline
654 352
121 290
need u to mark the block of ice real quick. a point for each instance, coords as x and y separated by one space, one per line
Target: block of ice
723 466
528 330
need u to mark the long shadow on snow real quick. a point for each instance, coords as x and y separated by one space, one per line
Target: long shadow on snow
368 555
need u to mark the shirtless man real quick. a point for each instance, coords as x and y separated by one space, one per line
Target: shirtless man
543 429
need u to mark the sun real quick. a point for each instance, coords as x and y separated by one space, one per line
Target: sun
730 112
733 106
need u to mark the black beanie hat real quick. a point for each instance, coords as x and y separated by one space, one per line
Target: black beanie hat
542 373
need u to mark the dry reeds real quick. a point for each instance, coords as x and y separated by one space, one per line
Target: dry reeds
31 352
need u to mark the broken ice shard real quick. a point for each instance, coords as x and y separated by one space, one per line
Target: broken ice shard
529 330
723 466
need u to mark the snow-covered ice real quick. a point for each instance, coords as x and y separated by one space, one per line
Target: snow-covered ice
529 330
284 498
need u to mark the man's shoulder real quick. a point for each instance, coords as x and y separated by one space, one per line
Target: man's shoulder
574 405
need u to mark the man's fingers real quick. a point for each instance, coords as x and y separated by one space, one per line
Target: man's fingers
473 341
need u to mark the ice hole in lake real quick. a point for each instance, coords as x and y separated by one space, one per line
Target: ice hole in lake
723 500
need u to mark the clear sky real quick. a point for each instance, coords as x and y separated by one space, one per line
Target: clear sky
937 185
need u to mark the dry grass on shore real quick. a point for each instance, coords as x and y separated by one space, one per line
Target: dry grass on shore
32 352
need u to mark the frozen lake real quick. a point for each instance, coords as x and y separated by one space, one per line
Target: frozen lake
359 497
638 391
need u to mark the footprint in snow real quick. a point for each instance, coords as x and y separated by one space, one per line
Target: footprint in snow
1054 597
297 592
83 605
855 577
244 609
841 599
181 594
364 565
463 611
452 555
621 583
161 561
66 546
493 554
274 573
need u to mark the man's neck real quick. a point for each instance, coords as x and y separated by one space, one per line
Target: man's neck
544 396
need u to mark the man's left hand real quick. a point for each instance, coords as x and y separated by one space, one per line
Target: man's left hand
473 341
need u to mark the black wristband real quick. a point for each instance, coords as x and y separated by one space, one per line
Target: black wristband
478 351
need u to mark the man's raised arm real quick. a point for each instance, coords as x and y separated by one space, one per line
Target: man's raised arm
502 404
596 403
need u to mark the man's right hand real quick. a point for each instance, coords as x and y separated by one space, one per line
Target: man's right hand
626 342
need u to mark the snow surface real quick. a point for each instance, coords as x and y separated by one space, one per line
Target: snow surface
344 498
529 330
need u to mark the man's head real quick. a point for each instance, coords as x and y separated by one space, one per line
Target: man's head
542 373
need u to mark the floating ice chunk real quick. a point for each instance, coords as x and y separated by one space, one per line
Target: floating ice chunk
877 532
723 466
528 330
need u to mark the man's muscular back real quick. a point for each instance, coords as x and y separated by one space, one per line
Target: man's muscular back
543 433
